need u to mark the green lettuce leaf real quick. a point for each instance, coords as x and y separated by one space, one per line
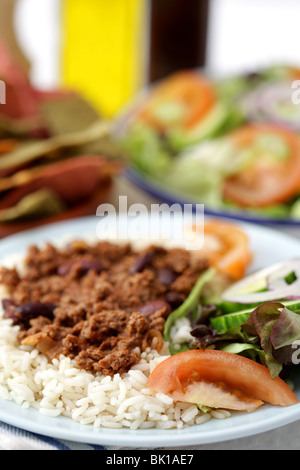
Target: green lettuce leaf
144 147
189 307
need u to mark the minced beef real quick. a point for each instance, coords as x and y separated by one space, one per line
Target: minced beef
99 304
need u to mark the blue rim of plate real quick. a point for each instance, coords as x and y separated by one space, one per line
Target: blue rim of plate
154 189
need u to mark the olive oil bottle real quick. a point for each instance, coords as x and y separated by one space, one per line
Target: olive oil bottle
104 50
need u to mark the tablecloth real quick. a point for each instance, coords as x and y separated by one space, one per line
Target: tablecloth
283 438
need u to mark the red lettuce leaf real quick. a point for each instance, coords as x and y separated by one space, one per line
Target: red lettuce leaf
277 328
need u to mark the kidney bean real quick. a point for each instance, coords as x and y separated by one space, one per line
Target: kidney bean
88 265
85 266
174 299
151 307
22 314
166 276
142 262
36 309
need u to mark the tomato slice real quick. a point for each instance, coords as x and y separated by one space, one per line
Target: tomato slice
227 248
182 100
219 379
265 181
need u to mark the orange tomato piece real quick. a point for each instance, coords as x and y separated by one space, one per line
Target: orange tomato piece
227 248
190 91
265 182
219 379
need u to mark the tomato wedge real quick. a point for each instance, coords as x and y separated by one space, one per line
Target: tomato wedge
182 100
227 248
265 181
219 379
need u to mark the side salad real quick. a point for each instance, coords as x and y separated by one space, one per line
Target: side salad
232 144
258 317
234 350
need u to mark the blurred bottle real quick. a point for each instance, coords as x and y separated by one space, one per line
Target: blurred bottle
104 52
178 36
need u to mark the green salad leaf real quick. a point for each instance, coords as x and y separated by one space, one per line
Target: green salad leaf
266 333
189 307
146 150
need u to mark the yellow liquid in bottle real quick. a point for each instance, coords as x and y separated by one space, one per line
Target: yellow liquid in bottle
104 50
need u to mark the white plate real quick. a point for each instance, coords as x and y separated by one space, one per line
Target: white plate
268 247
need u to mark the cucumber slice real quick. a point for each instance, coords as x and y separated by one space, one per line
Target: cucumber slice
233 320
230 320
